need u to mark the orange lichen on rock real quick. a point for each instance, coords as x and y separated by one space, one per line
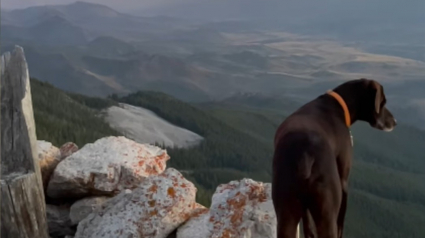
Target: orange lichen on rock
171 192
153 212
153 188
152 203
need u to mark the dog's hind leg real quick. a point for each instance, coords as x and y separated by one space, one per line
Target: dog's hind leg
289 213
325 207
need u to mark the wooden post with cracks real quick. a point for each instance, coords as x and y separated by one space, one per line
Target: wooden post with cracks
23 209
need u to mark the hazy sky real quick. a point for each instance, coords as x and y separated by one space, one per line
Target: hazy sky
393 10
116 4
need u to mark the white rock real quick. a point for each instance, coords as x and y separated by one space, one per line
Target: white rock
239 209
242 209
82 208
106 167
197 226
48 158
153 210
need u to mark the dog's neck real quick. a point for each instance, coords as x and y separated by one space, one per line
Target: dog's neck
341 101
351 105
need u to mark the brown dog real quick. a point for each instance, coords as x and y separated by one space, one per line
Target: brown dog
312 157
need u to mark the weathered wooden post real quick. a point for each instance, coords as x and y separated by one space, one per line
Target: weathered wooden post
23 209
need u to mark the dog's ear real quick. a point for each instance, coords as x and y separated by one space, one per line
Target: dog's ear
378 96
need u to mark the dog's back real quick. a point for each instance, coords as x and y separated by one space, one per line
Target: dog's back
301 142
304 152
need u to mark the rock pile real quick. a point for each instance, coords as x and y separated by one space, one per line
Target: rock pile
116 187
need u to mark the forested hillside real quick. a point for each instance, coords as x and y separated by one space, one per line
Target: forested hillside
387 193
62 117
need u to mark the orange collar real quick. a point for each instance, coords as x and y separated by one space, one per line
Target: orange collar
343 105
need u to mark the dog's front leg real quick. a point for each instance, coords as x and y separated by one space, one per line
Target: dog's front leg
343 209
344 161
308 225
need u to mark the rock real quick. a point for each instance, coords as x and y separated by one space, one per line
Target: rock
68 149
58 221
242 209
153 210
49 157
106 167
196 227
82 208
239 209
172 235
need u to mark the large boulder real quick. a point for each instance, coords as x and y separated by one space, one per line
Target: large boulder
239 209
106 167
82 208
243 209
153 210
49 157
58 221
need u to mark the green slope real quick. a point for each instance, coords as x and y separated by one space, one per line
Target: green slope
224 147
62 117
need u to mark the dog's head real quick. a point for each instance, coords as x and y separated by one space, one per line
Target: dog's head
371 104
373 109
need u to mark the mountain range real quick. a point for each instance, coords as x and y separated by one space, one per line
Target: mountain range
95 19
94 50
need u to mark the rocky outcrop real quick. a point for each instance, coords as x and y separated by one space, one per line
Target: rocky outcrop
49 157
153 210
68 149
82 208
106 167
58 221
121 189
144 126
240 209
